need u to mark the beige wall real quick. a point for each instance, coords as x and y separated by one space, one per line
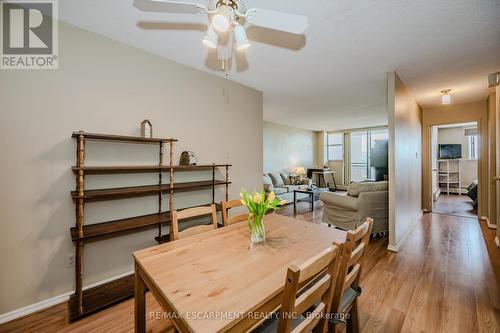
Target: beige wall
405 182
104 86
457 113
286 148
497 103
321 143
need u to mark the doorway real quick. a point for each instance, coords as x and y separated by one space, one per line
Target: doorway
454 158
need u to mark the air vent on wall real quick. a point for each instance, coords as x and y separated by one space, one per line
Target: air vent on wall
494 79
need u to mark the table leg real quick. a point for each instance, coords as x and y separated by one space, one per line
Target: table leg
334 182
139 303
294 202
312 202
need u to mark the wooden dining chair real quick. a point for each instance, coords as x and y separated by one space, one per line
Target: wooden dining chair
226 206
347 289
175 234
307 295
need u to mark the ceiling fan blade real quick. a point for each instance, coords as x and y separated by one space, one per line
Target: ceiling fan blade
167 6
295 24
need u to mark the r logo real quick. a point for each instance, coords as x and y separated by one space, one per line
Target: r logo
27 27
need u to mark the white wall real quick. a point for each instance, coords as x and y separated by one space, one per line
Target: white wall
405 164
104 86
455 135
286 148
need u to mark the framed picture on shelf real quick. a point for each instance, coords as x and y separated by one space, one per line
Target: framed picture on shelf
146 129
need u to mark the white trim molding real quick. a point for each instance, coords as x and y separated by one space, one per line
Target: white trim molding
24 311
18 313
406 235
487 220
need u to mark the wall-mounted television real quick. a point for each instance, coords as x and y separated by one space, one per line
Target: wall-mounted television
450 151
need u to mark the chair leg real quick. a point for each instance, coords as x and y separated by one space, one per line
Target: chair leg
354 318
339 329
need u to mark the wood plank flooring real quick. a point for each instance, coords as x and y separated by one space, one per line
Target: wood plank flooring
445 279
454 204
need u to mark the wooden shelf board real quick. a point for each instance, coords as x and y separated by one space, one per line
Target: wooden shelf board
123 226
120 138
138 191
102 170
101 297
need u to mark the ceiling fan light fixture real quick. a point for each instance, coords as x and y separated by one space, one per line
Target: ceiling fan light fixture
446 98
241 38
210 39
223 18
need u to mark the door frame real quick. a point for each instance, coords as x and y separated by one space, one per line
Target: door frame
451 115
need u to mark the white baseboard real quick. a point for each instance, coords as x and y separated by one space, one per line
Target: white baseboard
18 313
487 220
497 242
396 248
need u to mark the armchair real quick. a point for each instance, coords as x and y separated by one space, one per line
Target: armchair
363 200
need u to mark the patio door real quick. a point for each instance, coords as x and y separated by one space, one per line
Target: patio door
362 145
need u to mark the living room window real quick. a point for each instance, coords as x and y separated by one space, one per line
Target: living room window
368 153
335 145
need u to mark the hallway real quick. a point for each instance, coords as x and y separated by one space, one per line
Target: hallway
445 279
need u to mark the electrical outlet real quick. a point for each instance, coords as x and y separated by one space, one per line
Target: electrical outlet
70 261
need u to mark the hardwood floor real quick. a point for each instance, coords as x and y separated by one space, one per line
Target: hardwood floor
445 279
453 204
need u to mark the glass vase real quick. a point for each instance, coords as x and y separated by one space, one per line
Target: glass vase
257 230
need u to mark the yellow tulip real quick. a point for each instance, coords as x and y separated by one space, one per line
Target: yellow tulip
241 195
271 197
243 202
282 202
257 198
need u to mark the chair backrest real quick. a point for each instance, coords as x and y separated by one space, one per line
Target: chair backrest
188 214
350 268
319 275
226 206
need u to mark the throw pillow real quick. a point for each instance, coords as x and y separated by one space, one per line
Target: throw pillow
268 183
286 179
277 181
295 180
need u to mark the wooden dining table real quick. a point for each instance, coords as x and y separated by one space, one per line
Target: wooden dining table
217 281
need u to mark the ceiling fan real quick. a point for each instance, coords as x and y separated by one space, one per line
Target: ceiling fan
227 19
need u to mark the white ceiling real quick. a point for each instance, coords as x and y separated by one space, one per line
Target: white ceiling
334 76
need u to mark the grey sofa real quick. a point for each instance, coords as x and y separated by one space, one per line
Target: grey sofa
280 184
365 199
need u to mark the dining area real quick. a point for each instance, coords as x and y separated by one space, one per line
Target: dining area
253 271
